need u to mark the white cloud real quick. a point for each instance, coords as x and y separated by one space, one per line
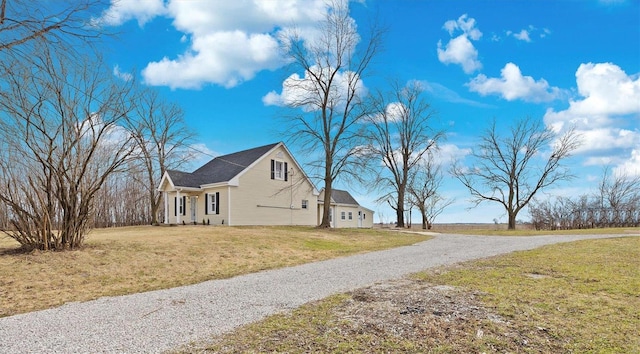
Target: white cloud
606 89
545 32
448 154
460 50
606 114
606 138
631 167
523 35
122 75
230 41
299 92
122 11
243 56
396 111
513 85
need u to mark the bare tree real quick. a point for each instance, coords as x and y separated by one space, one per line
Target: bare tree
506 170
52 22
423 188
123 199
620 193
329 94
60 142
400 135
162 140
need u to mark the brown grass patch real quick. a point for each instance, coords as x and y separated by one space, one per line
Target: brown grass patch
135 259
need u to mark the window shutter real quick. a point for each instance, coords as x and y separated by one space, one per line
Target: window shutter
175 206
184 205
273 169
217 202
206 204
286 171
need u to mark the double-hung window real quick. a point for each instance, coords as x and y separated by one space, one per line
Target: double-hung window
350 216
305 204
212 203
179 205
279 170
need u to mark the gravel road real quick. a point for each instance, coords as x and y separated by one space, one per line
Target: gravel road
160 320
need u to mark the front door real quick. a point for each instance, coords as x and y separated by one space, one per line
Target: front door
359 218
194 205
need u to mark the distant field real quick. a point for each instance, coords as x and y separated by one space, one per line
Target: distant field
128 260
521 230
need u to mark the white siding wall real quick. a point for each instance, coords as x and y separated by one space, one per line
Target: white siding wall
367 216
259 200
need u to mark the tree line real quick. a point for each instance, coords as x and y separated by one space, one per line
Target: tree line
615 204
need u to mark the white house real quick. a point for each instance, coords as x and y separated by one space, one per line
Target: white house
345 211
259 186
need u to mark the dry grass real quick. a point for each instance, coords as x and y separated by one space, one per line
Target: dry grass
134 259
579 297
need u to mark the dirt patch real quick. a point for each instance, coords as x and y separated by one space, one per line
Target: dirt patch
431 316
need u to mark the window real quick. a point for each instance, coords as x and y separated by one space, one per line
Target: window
342 215
279 170
350 216
305 204
179 206
212 203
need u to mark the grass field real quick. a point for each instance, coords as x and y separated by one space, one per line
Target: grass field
134 259
578 297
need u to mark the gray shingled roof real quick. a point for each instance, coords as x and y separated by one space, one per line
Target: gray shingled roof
220 169
342 197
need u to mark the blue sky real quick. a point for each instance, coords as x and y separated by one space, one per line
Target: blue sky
567 63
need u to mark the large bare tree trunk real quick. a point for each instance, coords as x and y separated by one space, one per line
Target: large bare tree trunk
327 98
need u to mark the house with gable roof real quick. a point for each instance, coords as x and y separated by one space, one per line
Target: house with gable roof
259 186
345 211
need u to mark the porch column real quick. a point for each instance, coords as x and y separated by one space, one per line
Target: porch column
178 211
166 207
228 205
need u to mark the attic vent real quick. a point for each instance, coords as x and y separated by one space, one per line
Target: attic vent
280 155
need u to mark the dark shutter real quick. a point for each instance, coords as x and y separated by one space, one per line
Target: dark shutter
175 206
217 202
273 169
206 204
184 205
286 171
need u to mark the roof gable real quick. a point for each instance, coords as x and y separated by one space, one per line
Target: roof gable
220 169
343 197
339 196
224 168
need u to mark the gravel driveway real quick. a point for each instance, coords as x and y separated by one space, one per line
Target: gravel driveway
161 320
